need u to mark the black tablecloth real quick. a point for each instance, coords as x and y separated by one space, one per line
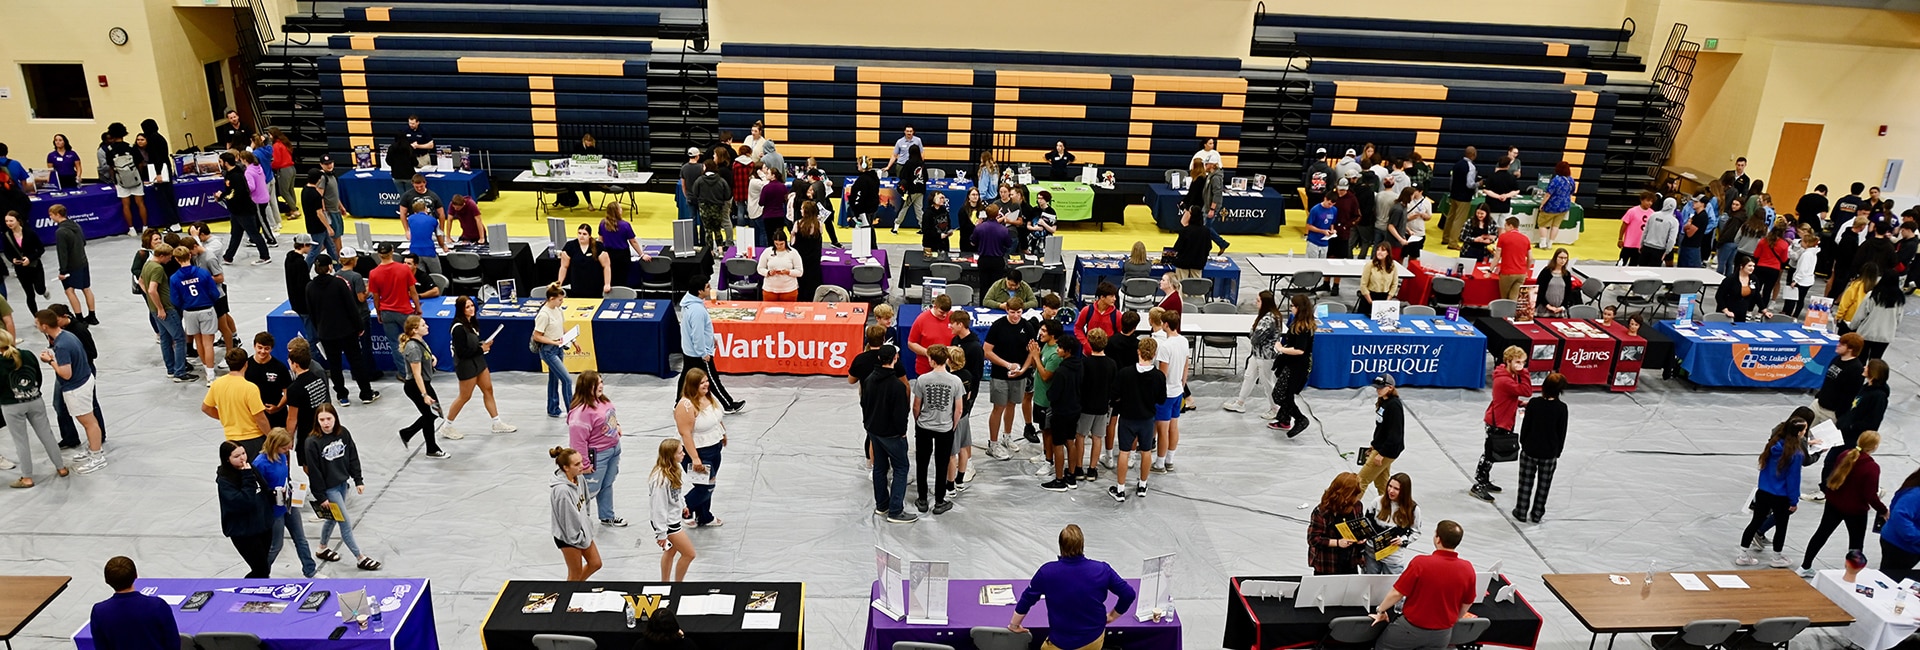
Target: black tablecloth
1110 206
913 268
547 267
517 267
506 628
1266 623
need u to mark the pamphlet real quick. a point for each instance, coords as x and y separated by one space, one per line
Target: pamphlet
997 595
363 157
259 607
1819 314
540 603
760 621
706 605
1689 582
763 601
597 601
1727 581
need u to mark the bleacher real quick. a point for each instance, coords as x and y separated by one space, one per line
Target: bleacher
1437 87
838 103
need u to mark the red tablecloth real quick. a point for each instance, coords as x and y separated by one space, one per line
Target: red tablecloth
1545 352
1586 352
1483 287
1632 353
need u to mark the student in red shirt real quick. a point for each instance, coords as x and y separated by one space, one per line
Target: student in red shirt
930 329
1103 314
1516 259
1511 386
394 295
1438 589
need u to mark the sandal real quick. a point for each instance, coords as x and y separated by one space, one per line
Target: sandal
368 564
22 482
62 472
328 554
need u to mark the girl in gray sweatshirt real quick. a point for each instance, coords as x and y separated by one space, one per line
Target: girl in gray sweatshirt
572 533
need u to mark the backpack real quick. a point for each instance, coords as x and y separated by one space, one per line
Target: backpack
126 173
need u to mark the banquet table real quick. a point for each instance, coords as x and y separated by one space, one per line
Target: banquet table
508 627
96 207
1241 211
914 263
836 266
1072 201
617 336
1752 355
1526 207
1257 623
786 338
1350 349
406 612
955 189
1875 626
964 612
1090 269
370 192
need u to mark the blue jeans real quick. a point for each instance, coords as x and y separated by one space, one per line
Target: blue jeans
338 496
1689 258
686 210
392 321
173 341
1217 239
889 457
291 526
1728 251
322 244
606 468
700 498
559 384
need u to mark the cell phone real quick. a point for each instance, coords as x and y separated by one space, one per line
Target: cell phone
337 633
196 601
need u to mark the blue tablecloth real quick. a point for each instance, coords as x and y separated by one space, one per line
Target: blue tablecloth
1090 269
625 339
1241 213
97 207
956 191
370 192
409 625
1767 355
1355 350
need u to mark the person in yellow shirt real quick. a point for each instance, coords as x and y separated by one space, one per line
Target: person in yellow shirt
236 403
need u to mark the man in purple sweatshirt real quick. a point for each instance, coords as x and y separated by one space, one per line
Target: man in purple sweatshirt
1076 589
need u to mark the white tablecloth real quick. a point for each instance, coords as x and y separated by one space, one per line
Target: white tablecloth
1875 626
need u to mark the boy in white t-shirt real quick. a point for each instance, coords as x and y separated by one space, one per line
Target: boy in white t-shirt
1171 359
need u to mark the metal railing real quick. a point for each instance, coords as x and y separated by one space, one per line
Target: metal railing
1627 25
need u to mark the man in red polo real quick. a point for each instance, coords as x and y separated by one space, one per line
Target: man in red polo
1438 589
1516 259
930 329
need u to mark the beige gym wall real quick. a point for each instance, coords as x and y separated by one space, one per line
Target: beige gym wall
1222 28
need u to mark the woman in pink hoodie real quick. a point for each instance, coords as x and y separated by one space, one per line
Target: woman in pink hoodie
262 191
594 431
1633 225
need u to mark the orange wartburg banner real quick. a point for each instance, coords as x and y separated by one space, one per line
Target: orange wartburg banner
788 338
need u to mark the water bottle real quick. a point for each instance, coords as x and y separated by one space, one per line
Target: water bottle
1899 601
379 625
1649 571
629 609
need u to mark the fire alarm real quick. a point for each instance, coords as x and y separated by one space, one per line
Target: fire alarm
103 81
1883 130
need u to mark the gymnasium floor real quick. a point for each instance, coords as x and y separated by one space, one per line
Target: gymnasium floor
1658 476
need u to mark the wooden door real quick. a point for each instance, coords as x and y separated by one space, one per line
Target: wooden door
1793 162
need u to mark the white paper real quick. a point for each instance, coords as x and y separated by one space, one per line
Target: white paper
707 605
761 621
172 600
1689 582
657 590
699 478
567 339
1727 581
1824 436
496 332
602 601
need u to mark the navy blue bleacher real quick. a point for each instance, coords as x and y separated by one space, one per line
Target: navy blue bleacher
1459 72
393 81
883 55
439 114
459 64
481 98
1323 41
449 44
1522 30
1450 108
505 19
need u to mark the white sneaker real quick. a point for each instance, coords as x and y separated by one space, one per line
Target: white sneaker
1271 414
1779 561
222 365
1816 497
451 433
998 449
500 426
6 464
1106 460
1234 405
1043 469
1746 558
93 464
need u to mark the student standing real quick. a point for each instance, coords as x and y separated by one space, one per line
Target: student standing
1389 434
246 507
236 403
1779 491
1399 513
1139 389
23 249
781 269
697 342
162 313
1173 355
332 463
1878 316
271 377
883 406
416 376
339 320
1633 226
305 395
697 418
318 226
1516 259
1096 404
195 295
70 244
938 398
1006 350
572 533
965 357
1868 410
470 364
549 326
20 405
1845 374
276 469
74 385
593 429
1543 435
1327 551
1900 537
1511 387
1292 360
667 503
1803 273
1852 488
1064 405
1076 590
396 297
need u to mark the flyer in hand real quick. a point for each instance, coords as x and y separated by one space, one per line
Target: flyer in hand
1382 542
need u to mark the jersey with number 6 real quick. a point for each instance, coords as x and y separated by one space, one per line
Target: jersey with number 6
193 288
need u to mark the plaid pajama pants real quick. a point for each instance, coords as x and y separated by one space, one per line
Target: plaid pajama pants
1536 479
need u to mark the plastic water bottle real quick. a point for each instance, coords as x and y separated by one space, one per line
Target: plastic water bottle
630 621
1649 571
1899 600
379 625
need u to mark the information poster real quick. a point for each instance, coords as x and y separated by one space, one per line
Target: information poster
1156 587
887 568
927 585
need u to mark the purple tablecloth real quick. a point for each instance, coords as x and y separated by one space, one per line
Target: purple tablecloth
410 627
97 208
964 612
836 267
